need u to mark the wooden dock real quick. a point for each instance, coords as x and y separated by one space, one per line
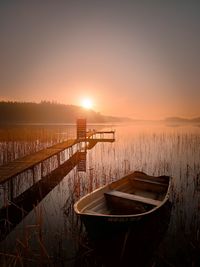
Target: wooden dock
17 206
20 165
21 205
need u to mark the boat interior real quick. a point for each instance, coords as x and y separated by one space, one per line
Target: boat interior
134 194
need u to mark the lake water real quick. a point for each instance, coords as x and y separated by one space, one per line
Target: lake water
50 233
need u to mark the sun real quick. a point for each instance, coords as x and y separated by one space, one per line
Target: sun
87 103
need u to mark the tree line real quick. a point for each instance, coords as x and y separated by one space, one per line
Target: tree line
47 112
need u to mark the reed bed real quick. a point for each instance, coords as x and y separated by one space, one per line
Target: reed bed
18 141
56 237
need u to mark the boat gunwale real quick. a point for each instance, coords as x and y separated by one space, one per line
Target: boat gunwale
96 214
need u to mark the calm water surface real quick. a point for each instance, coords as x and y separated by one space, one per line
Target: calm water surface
51 232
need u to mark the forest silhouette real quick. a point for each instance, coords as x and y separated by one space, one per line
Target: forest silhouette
49 112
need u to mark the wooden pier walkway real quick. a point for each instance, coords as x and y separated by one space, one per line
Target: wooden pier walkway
20 165
20 206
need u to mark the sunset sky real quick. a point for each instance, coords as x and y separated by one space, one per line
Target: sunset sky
138 59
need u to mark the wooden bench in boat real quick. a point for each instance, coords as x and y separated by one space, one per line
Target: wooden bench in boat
119 194
150 181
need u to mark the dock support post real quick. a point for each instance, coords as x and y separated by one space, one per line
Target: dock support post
70 151
42 169
33 174
58 159
11 189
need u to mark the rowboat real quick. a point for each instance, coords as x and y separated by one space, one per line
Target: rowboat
127 219
123 203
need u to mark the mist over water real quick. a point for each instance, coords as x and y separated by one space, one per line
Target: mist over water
51 231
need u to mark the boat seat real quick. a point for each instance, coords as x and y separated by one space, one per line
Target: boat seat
150 181
119 194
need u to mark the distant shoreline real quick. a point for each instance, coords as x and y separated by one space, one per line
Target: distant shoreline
107 124
48 113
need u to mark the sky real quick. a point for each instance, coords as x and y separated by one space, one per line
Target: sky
137 59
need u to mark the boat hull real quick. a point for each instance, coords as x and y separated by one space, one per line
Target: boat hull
101 227
128 243
127 218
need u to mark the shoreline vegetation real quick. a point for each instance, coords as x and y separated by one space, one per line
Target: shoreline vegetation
50 112
52 235
54 113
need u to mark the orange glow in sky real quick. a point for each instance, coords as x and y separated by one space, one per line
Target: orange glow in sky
137 60
87 103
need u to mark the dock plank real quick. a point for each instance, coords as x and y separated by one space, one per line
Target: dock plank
20 165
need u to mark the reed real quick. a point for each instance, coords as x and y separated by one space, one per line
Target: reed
154 150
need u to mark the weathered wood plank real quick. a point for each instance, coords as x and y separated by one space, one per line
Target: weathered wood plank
115 193
18 166
21 205
150 181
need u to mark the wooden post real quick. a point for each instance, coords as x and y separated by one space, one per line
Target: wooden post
33 174
11 189
81 129
91 180
42 169
58 159
70 151
81 166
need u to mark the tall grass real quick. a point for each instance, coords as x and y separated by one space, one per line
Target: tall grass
156 150
18 141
